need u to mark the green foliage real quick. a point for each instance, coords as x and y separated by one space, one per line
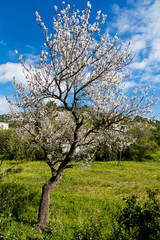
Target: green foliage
147 144
141 151
13 147
104 153
140 220
85 205
4 117
156 133
6 147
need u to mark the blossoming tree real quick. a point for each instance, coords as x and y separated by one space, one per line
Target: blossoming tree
80 69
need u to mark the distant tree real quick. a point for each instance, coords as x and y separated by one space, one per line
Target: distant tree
121 140
80 69
114 143
10 145
7 143
156 133
145 134
4 117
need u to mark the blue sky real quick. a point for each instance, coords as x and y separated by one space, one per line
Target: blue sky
135 20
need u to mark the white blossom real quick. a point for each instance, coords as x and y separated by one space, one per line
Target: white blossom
84 75
88 5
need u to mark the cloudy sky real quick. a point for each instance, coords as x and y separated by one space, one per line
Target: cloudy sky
135 20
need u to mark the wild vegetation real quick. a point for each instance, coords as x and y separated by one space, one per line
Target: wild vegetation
146 147
87 204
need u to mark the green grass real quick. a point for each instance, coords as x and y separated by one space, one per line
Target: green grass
85 194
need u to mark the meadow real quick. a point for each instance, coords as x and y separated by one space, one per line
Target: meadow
88 198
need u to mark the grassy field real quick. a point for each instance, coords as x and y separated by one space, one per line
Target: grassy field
86 196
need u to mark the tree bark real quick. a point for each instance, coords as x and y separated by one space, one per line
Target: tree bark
120 157
43 214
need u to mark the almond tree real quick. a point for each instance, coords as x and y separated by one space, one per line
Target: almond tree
124 140
80 69
120 138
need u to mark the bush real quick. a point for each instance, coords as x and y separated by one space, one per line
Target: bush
13 147
104 153
139 221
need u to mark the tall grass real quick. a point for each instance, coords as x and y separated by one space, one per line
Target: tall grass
88 198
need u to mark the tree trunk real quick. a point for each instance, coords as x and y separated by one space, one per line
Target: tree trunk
120 157
43 214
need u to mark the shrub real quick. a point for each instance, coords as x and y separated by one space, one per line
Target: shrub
140 221
104 153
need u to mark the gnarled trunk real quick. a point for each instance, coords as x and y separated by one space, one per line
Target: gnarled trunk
43 214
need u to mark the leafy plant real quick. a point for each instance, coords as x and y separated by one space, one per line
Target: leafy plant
138 220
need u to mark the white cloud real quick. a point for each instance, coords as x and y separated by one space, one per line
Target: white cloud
130 1
156 78
140 23
31 59
31 47
115 8
139 65
10 70
129 84
155 53
138 43
4 108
